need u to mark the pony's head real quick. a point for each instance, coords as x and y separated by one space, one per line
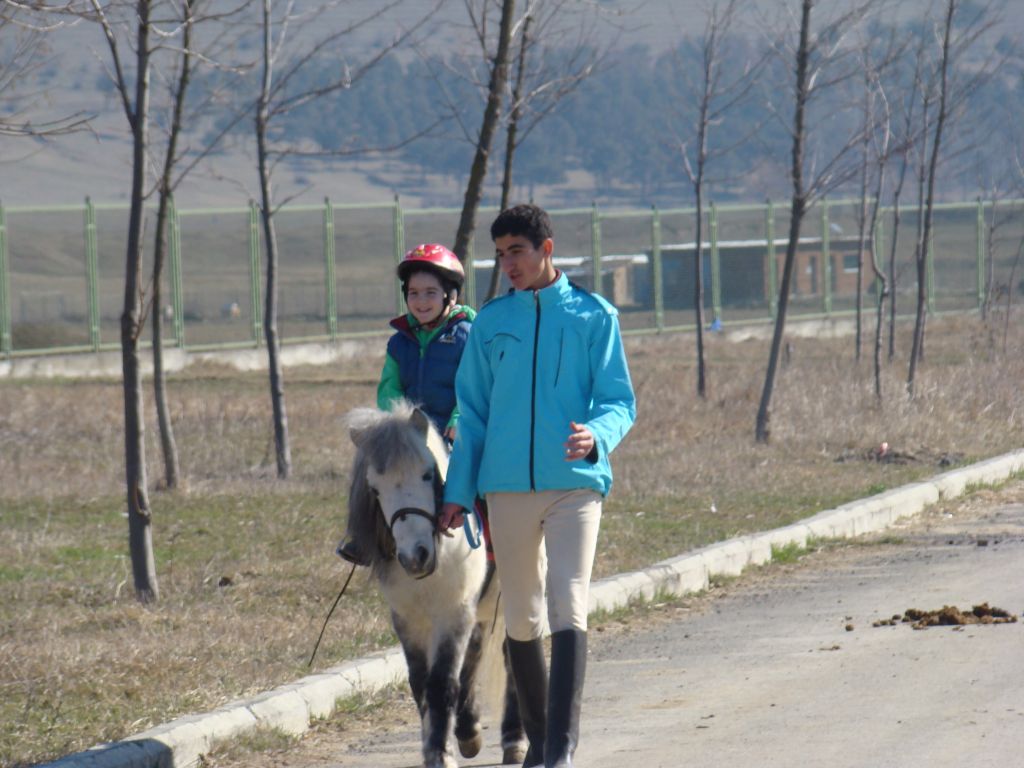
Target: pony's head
397 484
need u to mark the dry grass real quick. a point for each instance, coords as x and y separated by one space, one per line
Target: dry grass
246 563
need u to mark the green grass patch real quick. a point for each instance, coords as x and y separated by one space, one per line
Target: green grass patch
787 553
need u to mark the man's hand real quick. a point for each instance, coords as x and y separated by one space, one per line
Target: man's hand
580 442
451 517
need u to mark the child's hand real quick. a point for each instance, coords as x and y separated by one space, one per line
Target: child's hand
449 434
580 442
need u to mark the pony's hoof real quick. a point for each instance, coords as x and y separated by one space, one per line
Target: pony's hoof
514 754
471 747
440 761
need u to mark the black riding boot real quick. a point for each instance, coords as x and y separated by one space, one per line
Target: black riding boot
565 694
526 658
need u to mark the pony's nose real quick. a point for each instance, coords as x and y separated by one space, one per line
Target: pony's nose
418 563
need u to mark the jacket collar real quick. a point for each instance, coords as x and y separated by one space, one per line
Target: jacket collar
408 324
549 296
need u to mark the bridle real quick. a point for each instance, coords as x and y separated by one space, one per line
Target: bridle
399 515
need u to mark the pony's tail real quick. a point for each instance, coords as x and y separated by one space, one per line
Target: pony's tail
491 675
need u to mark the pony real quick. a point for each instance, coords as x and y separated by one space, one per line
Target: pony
441 589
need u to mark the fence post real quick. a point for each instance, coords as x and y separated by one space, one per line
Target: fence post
254 273
332 302
398 238
980 233
595 248
92 282
177 298
716 271
773 267
5 291
659 288
826 258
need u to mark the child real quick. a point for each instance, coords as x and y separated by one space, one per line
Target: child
423 353
545 396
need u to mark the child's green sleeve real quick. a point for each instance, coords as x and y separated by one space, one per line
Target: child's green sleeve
390 387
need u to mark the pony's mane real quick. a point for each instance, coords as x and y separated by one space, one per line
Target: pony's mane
393 440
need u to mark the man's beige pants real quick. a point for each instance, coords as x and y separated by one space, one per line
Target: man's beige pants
566 523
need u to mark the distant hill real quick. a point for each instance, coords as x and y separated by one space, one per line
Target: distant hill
615 141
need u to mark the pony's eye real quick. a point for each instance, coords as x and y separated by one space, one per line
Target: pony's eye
428 476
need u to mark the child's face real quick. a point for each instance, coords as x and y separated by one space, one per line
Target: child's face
425 297
527 267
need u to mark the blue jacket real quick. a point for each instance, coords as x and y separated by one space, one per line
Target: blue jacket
427 363
535 361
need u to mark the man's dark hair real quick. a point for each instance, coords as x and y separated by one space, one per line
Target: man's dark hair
527 220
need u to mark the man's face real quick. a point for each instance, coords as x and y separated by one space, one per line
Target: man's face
527 267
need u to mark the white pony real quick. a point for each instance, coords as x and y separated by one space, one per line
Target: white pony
442 591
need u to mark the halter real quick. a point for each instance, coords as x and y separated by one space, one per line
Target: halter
401 514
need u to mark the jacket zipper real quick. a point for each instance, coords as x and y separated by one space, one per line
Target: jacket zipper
533 390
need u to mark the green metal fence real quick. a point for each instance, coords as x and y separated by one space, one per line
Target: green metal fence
61 267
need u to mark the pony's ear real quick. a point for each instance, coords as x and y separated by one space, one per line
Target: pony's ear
420 421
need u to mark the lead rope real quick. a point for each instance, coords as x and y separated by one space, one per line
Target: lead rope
329 614
474 539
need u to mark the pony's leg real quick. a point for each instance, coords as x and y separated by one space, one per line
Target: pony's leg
442 695
416 661
513 736
467 719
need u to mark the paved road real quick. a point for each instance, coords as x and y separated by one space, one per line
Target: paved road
764 672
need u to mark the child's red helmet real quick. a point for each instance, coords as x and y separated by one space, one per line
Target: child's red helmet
437 259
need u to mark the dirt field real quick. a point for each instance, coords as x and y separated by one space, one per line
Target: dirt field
245 563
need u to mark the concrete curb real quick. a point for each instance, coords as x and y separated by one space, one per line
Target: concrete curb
181 742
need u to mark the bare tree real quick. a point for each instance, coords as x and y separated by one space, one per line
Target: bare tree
875 150
822 62
714 93
281 91
125 26
882 142
172 173
542 81
168 446
956 41
906 141
488 127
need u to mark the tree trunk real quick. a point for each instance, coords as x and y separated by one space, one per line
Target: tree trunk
923 257
892 255
798 207
492 111
698 289
168 444
282 449
879 273
862 224
140 533
510 144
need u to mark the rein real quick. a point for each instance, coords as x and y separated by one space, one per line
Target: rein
329 614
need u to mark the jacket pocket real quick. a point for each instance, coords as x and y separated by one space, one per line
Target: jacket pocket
501 346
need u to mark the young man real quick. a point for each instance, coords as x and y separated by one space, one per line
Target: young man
544 397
